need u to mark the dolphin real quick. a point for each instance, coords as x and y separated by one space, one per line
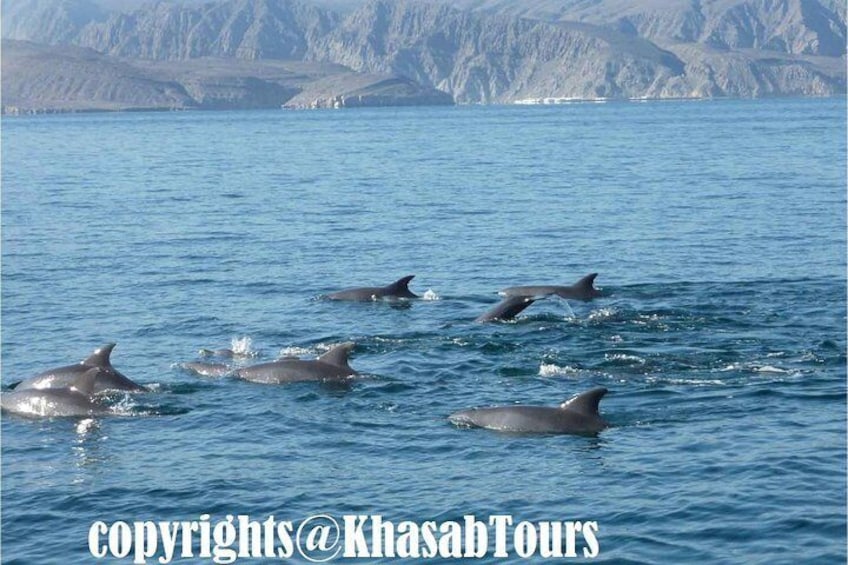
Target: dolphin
108 378
507 309
332 366
224 352
206 369
581 290
395 291
74 400
579 415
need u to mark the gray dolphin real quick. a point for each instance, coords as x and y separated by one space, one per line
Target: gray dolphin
506 309
225 352
581 290
397 290
108 378
332 366
206 369
74 400
579 415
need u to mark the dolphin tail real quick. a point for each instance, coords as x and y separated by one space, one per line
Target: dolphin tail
85 382
585 403
338 355
100 357
401 288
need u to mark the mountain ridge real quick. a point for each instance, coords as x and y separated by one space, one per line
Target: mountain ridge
493 51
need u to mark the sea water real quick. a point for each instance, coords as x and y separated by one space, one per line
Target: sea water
717 229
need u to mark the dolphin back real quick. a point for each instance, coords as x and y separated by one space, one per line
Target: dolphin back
579 415
398 289
108 378
506 309
74 400
85 382
581 290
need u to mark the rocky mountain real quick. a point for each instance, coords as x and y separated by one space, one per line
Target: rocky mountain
244 29
798 27
491 51
494 58
39 78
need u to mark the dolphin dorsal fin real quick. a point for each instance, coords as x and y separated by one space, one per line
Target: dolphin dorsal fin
401 285
338 355
100 357
585 403
587 282
85 382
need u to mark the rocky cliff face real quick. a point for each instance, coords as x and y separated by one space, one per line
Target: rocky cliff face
493 51
494 58
244 29
497 56
39 78
797 27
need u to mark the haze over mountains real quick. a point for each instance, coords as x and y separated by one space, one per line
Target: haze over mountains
121 54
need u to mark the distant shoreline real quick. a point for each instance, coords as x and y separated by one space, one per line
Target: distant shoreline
12 112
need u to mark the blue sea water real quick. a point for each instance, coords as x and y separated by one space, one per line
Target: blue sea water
717 229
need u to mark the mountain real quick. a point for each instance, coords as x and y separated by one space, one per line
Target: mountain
244 29
494 58
498 55
798 27
40 78
491 51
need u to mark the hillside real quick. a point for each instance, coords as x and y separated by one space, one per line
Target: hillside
38 78
492 51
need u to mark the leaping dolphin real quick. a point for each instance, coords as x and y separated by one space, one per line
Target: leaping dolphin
330 367
579 415
74 400
395 291
108 378
581 290
507 309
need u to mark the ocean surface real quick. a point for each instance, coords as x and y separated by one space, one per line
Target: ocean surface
718 230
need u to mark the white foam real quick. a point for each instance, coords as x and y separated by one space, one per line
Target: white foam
242 347
552 370
689 382
431 295
602 314
125 406
624 357
295 351
84 426
771 369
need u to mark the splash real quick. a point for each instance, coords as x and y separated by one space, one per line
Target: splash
624 358
430 295
602 314
770 369
295 351
242 347
552 370
126 406
85 426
